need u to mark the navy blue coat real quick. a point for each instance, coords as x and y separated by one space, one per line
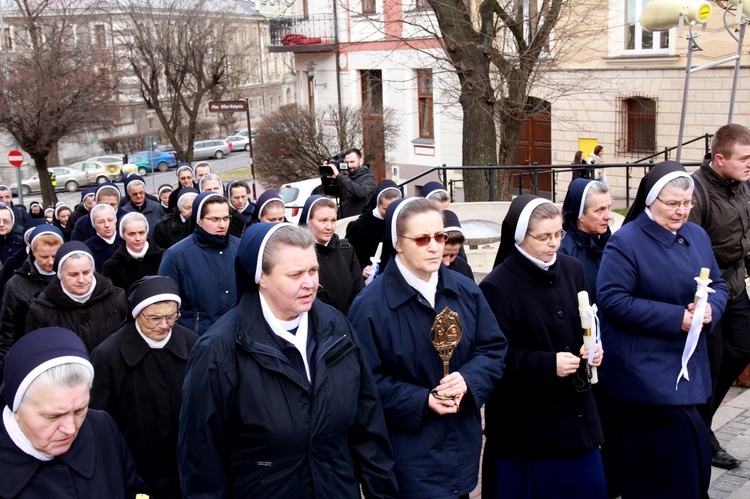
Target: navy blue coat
152 210
646 280
102 250
588 249
98 464
436 456
252 426
9 246
205 274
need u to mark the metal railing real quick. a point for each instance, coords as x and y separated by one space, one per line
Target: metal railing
313 26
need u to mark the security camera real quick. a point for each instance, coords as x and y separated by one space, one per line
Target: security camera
661 15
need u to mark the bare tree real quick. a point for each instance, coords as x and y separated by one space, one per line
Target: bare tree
294 142
181 52
60 83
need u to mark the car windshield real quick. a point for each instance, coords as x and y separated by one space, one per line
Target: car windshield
289 194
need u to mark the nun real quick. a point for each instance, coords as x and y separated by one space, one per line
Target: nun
436 445
79 298
35 210
82 209
654 323
51 443
10 241
106 193
172 228
278 398
270 208
366 232
163 194
137 256
587 212
542 427
185 176
139 375
437 192
454 244
339 271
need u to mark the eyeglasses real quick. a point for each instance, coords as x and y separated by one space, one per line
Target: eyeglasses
6 222
155 320
440 238
217 219
674 205
547 238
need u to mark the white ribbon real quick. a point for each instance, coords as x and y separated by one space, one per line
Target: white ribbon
593 341
701 293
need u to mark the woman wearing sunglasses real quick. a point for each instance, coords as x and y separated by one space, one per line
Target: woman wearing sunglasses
542 427
433 420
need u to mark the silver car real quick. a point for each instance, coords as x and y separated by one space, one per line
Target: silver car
239 143
65 178
97 171
207 149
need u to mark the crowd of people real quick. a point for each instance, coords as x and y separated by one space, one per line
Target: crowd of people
196 344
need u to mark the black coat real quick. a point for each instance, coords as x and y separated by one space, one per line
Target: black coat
252 426
364 234
22 289
533 413
11 265
170 230
462 267
93 321
9 245
98 464
123 270
141 388
102 250
339 272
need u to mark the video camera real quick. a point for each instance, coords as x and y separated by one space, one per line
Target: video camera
337 160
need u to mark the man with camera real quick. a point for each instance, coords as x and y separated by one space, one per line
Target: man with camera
356 182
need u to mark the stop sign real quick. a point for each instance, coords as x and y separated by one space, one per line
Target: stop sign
15 157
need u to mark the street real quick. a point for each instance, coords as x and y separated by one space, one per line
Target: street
153 180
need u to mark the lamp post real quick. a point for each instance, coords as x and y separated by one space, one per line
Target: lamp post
311 85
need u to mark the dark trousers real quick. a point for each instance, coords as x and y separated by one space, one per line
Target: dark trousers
728 355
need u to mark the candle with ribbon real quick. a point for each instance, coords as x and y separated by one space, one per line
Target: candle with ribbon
589 324
375 261
700 301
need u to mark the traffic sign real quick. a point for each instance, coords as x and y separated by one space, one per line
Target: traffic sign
15 157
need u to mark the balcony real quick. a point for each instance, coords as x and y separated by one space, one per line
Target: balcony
302 34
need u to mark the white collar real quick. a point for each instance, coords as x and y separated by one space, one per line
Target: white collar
140 255
427 289
299 340
22 442
43 272
80 298
539 263
111 240
157 345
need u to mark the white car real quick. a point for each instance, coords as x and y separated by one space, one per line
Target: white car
239 143
295 194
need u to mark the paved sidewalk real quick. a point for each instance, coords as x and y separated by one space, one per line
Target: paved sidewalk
732 427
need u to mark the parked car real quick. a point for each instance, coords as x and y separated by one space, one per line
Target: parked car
97 171
141 163
295 194
242 132
69 179
238 142
207 149
158 160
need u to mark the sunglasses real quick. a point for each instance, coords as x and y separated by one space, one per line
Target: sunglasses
440 238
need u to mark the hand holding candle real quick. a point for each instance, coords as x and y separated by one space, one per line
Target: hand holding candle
375 260
590 337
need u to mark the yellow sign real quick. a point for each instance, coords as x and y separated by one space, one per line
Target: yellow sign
705 12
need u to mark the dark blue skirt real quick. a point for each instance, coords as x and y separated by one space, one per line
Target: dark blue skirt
565 478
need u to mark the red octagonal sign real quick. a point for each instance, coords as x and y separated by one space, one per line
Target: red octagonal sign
15 157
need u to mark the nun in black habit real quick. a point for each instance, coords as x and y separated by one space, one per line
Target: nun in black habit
139 375
542 427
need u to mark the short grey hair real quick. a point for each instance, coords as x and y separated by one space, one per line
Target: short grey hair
63 375
99 207
296 237
594 187
682 183
133 216
545 211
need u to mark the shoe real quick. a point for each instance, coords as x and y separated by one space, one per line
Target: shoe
723 459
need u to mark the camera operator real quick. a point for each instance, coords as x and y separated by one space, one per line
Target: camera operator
356 183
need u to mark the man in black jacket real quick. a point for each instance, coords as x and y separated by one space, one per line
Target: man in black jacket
356 183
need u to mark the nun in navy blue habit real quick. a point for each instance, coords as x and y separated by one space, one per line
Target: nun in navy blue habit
542 427
278 399
269 208
647 289
79 452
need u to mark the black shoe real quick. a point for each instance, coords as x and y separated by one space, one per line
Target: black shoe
723 459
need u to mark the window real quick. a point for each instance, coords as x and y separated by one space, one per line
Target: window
638 131
100 36
636 38
8 39
424 91
368 6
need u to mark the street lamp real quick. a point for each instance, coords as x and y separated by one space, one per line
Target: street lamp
311 71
